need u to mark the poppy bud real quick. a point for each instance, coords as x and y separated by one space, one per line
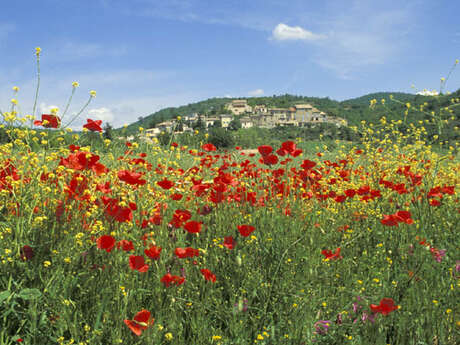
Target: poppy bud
238 260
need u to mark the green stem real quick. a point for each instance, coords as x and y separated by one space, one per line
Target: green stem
78 114
68 104
38 86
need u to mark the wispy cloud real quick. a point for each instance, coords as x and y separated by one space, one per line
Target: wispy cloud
256 92
283 32
364 36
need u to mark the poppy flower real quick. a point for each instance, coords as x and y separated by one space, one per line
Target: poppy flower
289 146
125 245
131 177
92 125
296 152
169 279
193 227
142 320
27 253
329 255
386 306
389 220
165 184
229 242
209 147
153 252
106 242
308 164
188 252
176 196
265 150
281 152
269 159
52 121
245 230
404 216
180 217
137 263
208 275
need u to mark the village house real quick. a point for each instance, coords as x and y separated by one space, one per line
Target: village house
246 122
210 121
165 126
262 109
152 132
225 120
300 115
239 107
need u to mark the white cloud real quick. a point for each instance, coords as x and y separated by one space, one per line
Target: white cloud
426 92
283 32
256 92
46 109
104 114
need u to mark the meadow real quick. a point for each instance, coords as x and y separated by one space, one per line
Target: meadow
138 243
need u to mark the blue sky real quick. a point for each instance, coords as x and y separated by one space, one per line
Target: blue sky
144 55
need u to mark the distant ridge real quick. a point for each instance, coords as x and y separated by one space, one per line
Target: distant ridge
353 110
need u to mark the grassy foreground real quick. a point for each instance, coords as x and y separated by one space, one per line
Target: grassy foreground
145 245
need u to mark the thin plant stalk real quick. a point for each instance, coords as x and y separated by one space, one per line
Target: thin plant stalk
38 87
78 114
68 103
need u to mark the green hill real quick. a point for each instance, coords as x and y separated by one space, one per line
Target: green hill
353 110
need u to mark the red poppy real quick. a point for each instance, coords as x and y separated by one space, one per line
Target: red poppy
281 152
169 279
269 159
289 146
27 253
53 121
94 126
296 152
165 184
176 196
404 216
153 252
209 147
193 227
131 177
329 255
137 263
141 322
308 164
386 306
188 252
265 150
245 230
208 275
180 217
389 220
106 242
229 242
125 245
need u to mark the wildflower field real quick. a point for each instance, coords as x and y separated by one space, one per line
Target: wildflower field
134 243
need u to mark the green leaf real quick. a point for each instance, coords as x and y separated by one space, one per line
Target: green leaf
28 294
4 295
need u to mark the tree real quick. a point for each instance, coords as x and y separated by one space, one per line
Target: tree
220 138
108 131
199 124
235 124
217 124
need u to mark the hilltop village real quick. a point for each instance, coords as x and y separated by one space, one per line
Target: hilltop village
299 115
